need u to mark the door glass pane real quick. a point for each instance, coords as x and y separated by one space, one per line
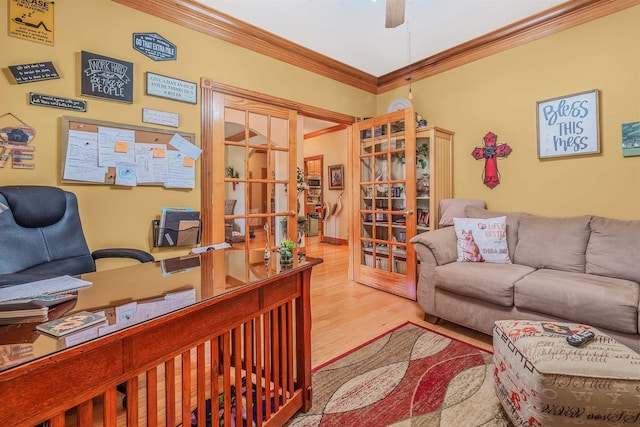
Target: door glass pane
365 169
281 162
234 161
380 138
279 199
258 125
280 132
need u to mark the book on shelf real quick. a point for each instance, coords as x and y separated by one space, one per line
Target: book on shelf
72 323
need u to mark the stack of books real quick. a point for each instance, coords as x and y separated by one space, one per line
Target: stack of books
30 310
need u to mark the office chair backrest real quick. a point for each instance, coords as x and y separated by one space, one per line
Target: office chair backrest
41 233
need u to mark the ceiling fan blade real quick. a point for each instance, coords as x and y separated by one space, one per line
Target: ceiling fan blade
395 13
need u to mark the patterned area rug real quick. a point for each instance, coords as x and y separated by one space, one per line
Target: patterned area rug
409 376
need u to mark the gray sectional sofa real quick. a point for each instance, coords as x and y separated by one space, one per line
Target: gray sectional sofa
583 269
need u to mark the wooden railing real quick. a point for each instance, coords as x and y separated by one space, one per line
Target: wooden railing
246 350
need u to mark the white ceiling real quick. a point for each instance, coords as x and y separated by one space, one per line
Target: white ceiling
353 31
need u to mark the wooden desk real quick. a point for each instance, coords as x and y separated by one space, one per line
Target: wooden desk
249 320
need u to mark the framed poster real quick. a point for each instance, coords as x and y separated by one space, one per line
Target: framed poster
568 125
104 77
32 20
336 175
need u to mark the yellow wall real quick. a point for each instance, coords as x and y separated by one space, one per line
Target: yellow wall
499 94
115 216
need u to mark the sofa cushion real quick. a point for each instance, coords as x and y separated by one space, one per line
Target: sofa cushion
455 208
485 281
557 243
482 240
599 301
613 248
513 220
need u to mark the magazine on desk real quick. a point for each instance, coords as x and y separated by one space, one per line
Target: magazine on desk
72 323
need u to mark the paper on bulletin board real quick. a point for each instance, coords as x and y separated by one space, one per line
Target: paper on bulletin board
110 143
185 146
126 174
31 20
81 163
180 176
153 166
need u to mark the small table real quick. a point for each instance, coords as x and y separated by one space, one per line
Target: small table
541 380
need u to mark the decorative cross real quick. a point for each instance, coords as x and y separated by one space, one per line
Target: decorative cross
490 152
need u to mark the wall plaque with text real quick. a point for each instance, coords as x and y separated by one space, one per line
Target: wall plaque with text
155 46
26 73
105 77
168 87
57 102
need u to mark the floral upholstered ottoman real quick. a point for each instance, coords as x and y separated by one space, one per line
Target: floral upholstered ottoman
541 380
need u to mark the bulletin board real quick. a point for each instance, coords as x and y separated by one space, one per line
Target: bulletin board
83 140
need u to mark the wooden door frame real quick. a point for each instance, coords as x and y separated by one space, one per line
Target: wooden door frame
212 122
306 172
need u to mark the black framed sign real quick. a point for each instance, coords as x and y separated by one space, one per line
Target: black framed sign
57 102
25 73
105 77
568 125
170 88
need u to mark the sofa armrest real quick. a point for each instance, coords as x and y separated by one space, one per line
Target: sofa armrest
433 248
442 244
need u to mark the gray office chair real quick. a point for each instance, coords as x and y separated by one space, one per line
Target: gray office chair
41 236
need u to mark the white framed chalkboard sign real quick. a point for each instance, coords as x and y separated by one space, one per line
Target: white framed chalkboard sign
568 125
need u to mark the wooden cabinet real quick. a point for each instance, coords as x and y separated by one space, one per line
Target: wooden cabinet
400 174
314 167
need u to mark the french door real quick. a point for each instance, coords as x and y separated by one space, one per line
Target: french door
249 172
384 202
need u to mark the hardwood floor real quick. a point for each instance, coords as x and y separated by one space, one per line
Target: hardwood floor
346 314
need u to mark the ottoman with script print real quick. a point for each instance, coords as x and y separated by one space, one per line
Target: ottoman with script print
541 380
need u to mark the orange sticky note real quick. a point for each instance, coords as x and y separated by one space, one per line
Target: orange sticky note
159 153
187 162
122 147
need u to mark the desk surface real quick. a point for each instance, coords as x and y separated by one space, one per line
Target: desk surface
211 275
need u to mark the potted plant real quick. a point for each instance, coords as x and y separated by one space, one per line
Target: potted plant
286 251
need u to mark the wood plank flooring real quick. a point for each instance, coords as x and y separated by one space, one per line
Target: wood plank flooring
346 314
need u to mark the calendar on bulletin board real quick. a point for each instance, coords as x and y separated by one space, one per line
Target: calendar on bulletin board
100 152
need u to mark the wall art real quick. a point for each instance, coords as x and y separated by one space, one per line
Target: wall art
631 139
160 117
568 125
107 78
26 73
57 102
490 152
31 20
15 136
336 177
154 46
170 88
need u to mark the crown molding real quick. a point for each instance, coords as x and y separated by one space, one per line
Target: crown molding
224 27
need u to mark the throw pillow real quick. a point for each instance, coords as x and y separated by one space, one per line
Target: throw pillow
454 208
482 239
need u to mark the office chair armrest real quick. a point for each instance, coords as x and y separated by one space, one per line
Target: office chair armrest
138 254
